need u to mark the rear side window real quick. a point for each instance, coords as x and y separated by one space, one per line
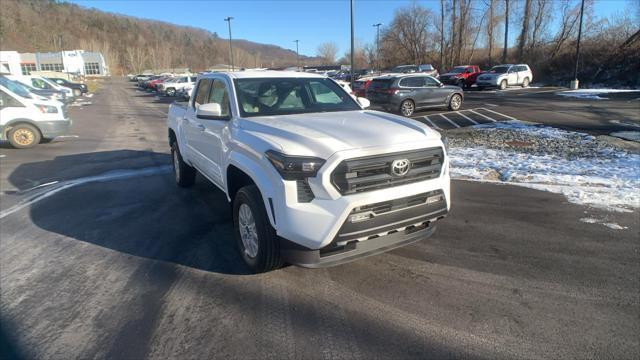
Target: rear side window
380 84
322 94
412 82
202 92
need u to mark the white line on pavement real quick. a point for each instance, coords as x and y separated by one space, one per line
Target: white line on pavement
432 124
494 105
497 113
63 185
484 116
449 120
466 117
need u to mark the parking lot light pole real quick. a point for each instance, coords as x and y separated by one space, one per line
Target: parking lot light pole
297 54
377 45
575 84
228 20
351 3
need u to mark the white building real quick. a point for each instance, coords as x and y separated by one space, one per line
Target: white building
74 62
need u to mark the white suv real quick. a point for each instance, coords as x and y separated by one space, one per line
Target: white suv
171 87
502 76
314 179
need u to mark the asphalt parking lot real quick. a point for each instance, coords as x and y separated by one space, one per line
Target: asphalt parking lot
101 255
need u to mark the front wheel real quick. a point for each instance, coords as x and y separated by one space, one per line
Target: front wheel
77 92
503 84
455 102
171 92
525 83
407 108
24 136
184 174
257 240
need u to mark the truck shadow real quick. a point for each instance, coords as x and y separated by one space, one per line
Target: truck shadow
144 215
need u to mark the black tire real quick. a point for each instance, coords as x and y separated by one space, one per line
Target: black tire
503 84
525 82
455 103
24 136
184 174
77 92
268 256
461 84
407 108
171 92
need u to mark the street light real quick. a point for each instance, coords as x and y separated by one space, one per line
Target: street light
228 20
297 54
377 26
351 7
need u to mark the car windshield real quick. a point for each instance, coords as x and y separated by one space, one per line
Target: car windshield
15 87
458 70
283 96
499 69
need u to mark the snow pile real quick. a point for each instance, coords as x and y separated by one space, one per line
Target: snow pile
544 158
592 93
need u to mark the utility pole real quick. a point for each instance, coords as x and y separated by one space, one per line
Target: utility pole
575 84
297 54
377 26
506 31
62 55
352 64
228 20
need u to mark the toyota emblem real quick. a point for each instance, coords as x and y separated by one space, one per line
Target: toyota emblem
400 167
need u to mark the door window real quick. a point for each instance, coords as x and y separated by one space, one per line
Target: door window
202 93
322 94
219 95
430 82
7 100
40 84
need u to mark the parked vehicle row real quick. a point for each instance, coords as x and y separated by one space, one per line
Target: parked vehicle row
167 84
28 115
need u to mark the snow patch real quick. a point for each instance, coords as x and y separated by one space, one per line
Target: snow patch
627 135
613 226
592 94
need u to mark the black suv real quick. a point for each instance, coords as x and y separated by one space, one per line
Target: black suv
77 88
407 93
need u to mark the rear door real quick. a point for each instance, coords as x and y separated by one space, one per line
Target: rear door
512 75
438 94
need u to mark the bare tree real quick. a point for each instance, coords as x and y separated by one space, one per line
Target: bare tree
490 28
409 30
328 51
524 33
569 18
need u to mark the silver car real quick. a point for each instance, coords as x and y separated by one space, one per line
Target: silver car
502 76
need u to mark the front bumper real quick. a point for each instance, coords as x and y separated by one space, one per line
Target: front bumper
487 83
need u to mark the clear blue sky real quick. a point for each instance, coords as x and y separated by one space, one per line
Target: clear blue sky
280 22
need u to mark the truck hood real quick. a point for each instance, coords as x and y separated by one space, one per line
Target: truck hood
323 134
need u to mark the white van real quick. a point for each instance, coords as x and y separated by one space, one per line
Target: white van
42 83
26 118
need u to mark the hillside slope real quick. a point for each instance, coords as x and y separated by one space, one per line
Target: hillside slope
129 44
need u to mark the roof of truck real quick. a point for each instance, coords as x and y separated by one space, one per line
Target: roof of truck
267 74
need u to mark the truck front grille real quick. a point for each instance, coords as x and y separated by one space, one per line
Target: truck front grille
376 172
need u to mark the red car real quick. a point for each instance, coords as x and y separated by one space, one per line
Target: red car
360 86
462 76
153 84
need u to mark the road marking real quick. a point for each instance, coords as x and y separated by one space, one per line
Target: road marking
494 105
484 116
497 113
2 155
63 185
432 124
449 120
466 117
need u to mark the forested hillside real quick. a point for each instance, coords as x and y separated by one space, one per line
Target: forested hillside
129 44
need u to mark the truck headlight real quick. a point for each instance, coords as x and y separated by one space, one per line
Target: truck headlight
294 167
46 109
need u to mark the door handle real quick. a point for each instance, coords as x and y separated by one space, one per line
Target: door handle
199 126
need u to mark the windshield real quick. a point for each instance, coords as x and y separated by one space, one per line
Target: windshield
499 69
283 96
15 87
457 70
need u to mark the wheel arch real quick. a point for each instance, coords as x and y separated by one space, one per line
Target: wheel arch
13 123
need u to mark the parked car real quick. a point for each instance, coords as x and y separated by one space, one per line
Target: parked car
26 119
313 178
185 92
142 80
77 88
360 86
503 76
407 93
410 69
153 84
170 86
51 94
462 76
44 84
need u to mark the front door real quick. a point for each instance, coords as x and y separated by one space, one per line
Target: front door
512 76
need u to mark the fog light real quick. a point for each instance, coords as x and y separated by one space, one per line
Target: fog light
433 199
360 217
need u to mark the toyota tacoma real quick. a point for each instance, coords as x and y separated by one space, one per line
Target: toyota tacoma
312 177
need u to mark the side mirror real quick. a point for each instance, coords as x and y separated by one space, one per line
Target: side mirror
210 111
364 102
440 84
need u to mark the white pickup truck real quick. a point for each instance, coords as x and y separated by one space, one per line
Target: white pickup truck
314 179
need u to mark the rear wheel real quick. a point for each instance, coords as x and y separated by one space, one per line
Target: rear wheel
503 84
407 108
184 174
23 136
256 239
525 83
171 92
455 102
461 83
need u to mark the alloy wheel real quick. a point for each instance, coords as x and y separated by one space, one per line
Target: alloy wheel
248 231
